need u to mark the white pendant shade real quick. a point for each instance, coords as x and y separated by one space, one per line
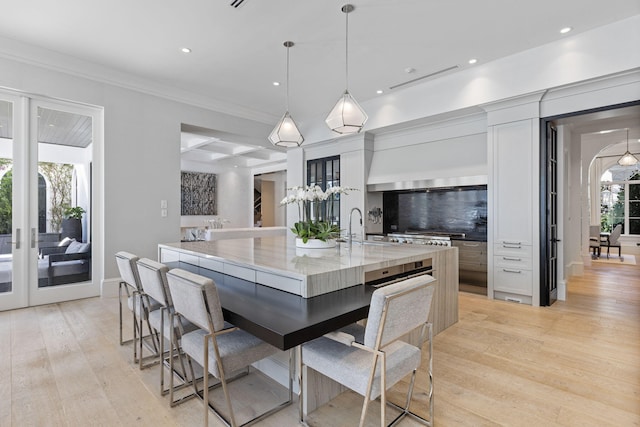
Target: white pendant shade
286 133
627 159
347 116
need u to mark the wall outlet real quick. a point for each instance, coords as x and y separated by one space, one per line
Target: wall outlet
163 213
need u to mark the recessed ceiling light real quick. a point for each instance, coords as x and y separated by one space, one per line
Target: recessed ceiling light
473 61
185 50
565 30
409 70
276 83
235 166
379 91
51 125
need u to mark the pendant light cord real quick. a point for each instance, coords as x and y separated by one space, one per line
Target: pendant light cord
346 50
627 139
287 91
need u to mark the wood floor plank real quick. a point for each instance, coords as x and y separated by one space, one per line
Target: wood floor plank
576 363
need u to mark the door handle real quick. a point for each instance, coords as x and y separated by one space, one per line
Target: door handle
17 242
555 240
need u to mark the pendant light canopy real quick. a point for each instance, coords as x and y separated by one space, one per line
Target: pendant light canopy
347 116
627 158
286 133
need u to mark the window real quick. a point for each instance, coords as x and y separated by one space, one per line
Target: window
620 199
325 173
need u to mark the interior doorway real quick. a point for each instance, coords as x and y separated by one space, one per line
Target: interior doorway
268 190
581 137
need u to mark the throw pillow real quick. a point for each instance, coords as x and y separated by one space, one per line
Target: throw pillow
74 248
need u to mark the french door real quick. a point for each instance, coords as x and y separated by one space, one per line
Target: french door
46 150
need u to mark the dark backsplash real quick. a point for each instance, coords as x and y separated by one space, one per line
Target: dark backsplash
454 210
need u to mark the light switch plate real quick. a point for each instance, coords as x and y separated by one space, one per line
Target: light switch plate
163 204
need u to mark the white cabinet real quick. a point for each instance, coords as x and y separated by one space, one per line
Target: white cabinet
513 205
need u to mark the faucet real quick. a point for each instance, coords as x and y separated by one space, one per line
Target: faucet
351 235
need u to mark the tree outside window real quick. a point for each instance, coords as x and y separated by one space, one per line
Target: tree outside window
615 206
57 195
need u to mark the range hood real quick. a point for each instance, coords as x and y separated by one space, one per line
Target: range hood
418 184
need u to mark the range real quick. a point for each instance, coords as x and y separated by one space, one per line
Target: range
420 238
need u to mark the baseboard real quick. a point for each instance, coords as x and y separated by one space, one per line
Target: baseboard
562 290
575 268
109 287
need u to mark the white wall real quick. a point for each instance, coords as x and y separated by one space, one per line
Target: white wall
141 155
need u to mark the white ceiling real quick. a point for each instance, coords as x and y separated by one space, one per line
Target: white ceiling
237 53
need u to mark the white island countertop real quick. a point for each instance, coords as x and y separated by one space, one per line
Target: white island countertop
276 262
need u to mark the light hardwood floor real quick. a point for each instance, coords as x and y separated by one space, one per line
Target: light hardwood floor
576 363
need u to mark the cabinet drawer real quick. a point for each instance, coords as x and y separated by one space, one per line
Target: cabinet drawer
513 280
240 272
212 264
189 259
512 249
512 261
286 284
167 255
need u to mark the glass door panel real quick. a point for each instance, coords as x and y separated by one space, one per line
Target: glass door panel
13 278
62 146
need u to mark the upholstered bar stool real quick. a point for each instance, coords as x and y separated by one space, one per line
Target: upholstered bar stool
219 351
369 360
127 265
153 278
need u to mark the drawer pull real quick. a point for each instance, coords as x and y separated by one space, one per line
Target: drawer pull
506 270
506 258
471 245
512 246
512 243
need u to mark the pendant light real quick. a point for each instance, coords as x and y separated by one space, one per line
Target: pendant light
286 133
347 116
627 158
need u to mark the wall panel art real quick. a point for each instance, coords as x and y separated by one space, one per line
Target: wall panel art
198 194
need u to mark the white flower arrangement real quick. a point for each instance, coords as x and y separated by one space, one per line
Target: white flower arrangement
315 222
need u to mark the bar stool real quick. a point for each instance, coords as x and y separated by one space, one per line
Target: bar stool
371 359
127 265
153 278
220 351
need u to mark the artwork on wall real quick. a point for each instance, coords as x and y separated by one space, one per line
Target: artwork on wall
198 193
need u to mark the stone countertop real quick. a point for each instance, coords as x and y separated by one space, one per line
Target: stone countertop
279 255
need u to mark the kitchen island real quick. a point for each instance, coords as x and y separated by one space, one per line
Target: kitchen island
275 262
287 295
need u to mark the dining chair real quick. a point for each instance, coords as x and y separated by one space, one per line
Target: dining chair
128 268
371 359
612 240
153 278
219 349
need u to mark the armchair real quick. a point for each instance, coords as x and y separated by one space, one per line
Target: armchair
65 264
